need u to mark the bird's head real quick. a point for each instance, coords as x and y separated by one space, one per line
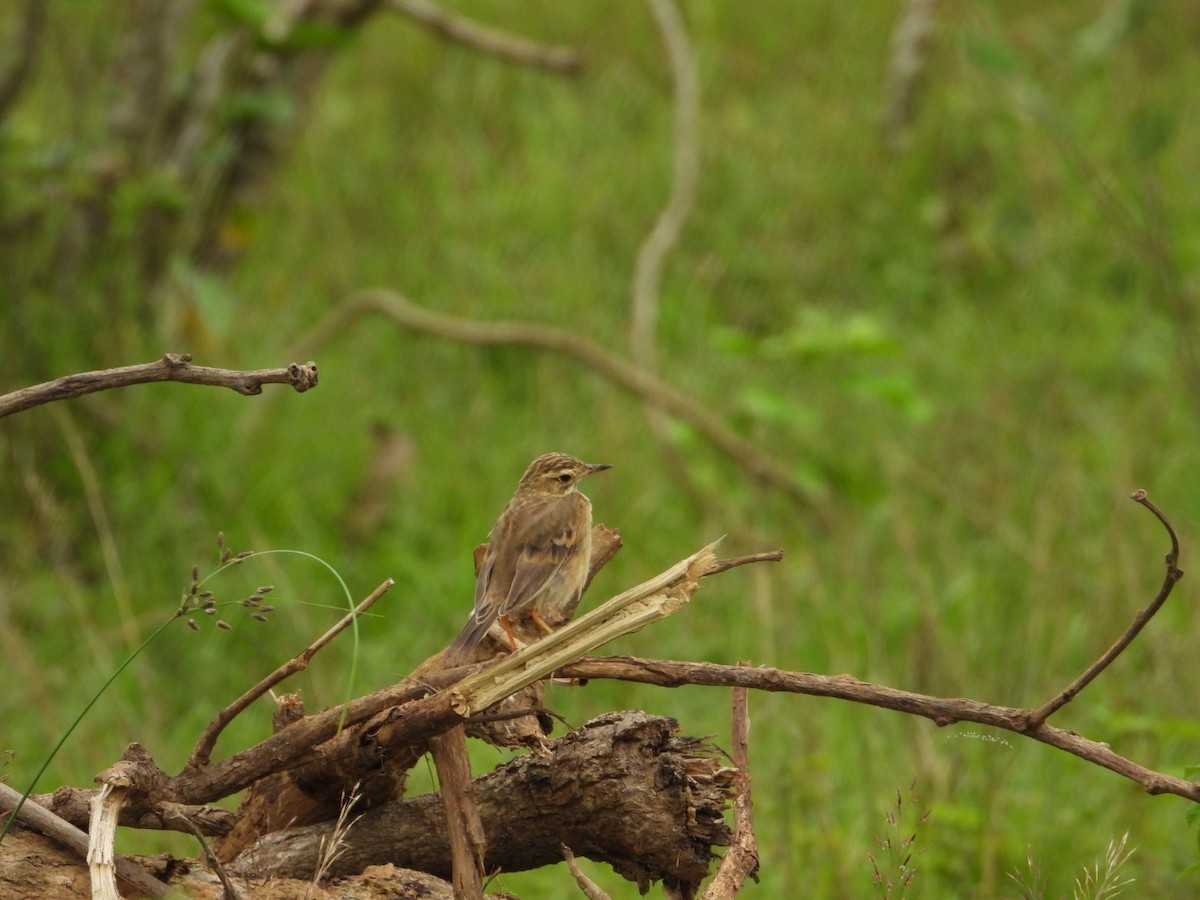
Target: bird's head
557 474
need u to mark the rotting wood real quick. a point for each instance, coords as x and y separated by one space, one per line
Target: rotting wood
625 790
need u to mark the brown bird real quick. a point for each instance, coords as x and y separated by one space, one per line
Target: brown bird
538 551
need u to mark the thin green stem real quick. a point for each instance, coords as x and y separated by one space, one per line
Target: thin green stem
79 718
132 656
353 621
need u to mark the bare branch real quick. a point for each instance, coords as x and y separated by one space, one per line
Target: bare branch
639 382
208 740
1140 620
172 367
941 710
502 44
289 747
647 273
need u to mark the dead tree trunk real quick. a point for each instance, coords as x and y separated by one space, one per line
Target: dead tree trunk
625 789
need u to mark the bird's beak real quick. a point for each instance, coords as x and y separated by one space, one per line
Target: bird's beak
593 468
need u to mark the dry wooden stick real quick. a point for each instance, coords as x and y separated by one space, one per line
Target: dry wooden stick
941 710
294 744
722 565
464 830
102 838
172 367
501 44
741 859
1143 616
208 740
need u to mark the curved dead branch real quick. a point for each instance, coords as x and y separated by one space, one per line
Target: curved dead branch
501 44
647 272
639 382
1143 616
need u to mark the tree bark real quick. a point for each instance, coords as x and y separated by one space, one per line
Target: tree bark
624 790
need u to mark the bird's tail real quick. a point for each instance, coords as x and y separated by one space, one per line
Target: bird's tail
468 639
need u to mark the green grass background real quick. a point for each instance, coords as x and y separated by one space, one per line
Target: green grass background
972 350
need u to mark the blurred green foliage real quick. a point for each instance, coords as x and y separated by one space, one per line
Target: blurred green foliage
972 349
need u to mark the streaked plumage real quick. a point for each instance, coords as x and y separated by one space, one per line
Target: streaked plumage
538 551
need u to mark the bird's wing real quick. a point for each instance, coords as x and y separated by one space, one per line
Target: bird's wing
547 544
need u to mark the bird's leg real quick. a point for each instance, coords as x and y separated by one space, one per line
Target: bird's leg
540 622
512 641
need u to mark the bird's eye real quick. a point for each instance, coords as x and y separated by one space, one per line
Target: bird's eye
564 477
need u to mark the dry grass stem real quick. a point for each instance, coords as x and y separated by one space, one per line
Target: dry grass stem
334 844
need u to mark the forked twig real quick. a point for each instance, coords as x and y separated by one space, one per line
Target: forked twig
1143 616
204 747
